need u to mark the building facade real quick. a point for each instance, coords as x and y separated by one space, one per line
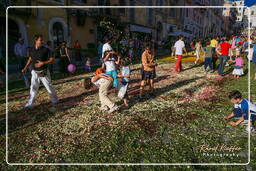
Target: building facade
82 24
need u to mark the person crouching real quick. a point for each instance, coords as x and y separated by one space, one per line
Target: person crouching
104 82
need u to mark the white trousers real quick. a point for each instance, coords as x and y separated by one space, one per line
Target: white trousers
35 83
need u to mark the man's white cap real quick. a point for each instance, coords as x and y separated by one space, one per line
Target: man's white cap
21 39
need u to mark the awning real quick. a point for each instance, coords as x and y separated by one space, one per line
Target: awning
177 33
140 29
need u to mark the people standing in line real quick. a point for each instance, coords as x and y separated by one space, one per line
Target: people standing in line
20 51
223 50
148 70
199 49
40 57
77 48
179 47
64 58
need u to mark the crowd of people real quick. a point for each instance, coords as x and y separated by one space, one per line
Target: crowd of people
228 51
114 69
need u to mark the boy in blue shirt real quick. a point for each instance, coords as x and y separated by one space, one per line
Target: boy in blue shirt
241 110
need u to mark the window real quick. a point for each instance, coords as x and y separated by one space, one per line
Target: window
58 34
252 13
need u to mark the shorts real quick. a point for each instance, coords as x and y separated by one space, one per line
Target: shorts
148 75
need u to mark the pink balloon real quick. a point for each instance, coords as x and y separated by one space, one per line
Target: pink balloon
71 68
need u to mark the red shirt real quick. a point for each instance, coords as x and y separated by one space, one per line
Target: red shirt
225 48
77 47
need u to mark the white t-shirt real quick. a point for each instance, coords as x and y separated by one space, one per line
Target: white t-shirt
105 48
110 64
178 46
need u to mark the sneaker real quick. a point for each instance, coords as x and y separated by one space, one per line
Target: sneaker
211 71
103 108
28 106
115 108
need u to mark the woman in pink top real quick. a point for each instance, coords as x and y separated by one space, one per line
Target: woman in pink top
238 68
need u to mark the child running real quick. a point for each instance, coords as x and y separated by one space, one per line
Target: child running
125 76
243 108
104 82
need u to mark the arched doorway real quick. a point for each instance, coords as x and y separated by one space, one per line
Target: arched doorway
58 34
58 31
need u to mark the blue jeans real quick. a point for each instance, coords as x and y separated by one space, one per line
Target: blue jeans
208 62
114 75
223 60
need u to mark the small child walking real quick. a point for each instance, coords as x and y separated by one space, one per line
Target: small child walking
242 110
125 76
238 68
208 53
104 82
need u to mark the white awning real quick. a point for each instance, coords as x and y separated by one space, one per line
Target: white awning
140 29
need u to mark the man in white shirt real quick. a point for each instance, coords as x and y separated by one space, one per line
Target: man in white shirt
179 46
